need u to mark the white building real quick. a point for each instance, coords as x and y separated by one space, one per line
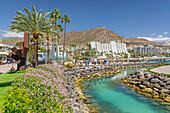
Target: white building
113 46
148 49
166 43
168 51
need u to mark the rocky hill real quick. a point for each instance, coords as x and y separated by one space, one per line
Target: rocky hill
99 34
11 41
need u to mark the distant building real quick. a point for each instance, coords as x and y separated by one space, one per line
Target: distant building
5 51
113 46
166 43
168 51
147 49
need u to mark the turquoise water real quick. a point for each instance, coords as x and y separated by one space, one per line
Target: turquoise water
110 95
157 60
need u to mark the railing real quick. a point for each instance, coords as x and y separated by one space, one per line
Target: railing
4 50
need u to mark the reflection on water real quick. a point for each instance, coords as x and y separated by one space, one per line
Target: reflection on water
110 95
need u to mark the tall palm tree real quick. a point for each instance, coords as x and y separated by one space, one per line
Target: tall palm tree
55 15
59 29
33 22
65 19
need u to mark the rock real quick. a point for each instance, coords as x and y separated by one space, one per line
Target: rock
165 90
166 79
157 86
155 94
167 87
162 84
167 99
148 78
142 86
154 80
168 82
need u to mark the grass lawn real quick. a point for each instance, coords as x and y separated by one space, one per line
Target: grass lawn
5 83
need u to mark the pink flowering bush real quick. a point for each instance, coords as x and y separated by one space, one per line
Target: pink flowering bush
39 90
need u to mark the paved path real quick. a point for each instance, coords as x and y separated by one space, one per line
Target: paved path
162 69
5 68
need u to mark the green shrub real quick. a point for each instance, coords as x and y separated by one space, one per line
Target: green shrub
39 90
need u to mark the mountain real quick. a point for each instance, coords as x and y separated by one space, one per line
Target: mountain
83 37
101 34
11 41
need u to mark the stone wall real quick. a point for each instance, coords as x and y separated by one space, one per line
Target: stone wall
149 84
77 74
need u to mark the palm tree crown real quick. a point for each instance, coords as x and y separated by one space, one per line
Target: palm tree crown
65 19
35 23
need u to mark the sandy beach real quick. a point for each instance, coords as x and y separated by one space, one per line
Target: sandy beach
162 69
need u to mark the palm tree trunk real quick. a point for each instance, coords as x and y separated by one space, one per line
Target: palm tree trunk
36 52
47 49
58 49
64 40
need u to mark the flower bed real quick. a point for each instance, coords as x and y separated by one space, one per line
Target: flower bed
39 90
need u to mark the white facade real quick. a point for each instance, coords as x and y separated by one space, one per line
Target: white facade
148 49
166 43
113 46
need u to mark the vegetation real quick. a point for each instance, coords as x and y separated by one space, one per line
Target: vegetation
40 90
33 22
5 83
65 19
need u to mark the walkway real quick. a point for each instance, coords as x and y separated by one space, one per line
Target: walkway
162 69
5 68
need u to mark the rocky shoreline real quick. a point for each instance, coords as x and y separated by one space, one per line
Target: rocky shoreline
77 74
150 84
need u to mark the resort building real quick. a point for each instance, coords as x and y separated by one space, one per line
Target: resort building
168 51
147 49
113 46
4 51
166 43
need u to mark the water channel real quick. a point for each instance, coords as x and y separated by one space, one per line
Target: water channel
110 95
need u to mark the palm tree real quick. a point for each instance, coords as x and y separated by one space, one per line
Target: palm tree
65 19
33 22
60 29
55 15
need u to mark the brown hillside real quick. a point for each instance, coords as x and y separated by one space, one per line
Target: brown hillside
83 37
12 41
99 34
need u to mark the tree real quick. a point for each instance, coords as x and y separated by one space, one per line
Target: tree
59 29
17 44
55 15
33 22
65 19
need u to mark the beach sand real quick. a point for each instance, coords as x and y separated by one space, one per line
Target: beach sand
162 69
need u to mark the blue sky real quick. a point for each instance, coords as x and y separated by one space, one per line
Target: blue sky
148 19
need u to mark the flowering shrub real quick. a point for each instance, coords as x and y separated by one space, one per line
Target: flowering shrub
39 90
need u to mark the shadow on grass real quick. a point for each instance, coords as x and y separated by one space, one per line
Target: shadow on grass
5 84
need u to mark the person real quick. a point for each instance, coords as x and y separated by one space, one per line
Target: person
12 68
74 62
86 63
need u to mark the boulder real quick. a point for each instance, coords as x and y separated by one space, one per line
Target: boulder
157 86
156 80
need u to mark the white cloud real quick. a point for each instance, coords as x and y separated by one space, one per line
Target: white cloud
165 33
5 33
159 36
156 39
